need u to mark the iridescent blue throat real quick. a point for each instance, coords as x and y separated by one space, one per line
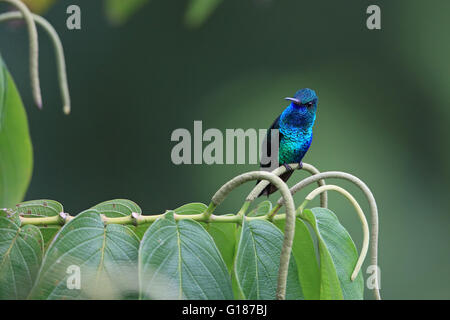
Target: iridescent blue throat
296 123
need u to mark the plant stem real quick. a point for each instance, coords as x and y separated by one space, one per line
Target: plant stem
142 219
60 219
321 182
244 209
208 212
301 208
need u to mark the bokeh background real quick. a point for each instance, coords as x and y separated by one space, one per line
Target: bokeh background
383 115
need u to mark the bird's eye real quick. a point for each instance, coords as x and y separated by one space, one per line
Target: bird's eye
309 104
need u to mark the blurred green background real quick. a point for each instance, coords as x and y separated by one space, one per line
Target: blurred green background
383 115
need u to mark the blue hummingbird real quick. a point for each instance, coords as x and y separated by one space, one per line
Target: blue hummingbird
295 126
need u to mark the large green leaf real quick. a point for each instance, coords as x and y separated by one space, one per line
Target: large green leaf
237 292
224 235
187 209
338 256
117 208
121 208
106 256
21 251
118 11
258 259
141 229
179 260
16 155
39 208
262 209
191 208
304 254
42 208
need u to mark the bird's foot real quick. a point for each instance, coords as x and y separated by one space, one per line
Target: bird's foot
289 168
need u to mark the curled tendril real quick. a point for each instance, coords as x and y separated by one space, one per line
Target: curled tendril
34 49
279 171
289 231
59 52
372 205
359 211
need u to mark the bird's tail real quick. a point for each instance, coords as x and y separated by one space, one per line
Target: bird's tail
271 188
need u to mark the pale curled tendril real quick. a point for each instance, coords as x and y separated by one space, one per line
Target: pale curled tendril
372 205
34 49
289 230
362 218
59 52
279 171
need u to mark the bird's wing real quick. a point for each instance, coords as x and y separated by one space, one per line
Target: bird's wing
268 140
269 189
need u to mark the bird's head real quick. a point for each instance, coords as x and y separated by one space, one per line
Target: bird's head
305 98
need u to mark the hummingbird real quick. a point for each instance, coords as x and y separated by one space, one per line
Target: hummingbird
295 126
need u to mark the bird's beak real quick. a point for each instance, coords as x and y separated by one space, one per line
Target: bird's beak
296 101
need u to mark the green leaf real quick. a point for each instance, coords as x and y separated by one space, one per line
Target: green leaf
120 208
338 256
16 154
106 256
191 208
119 11
258 259
224 235
11 214
141 229
21 251
117 208
262 209
187 209
199 11
42 208
237 292
179 260
304 254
